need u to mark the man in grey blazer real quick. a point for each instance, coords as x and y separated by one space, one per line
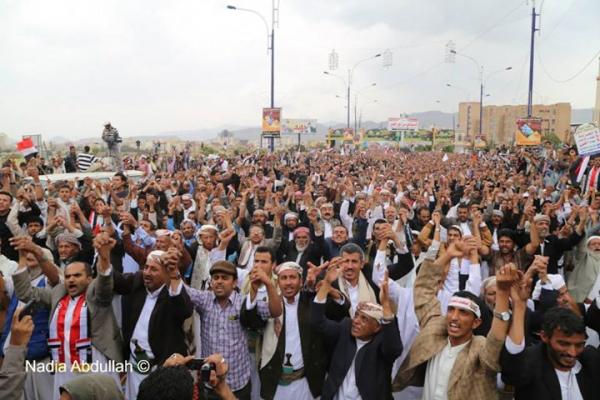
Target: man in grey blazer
80 314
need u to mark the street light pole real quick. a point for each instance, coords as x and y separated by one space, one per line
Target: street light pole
356 93
348 103
348 84
269 47
480 106
531 52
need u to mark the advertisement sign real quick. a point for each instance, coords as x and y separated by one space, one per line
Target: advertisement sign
298 126
403 124
380 135
345 134
587 139
528 132
271 121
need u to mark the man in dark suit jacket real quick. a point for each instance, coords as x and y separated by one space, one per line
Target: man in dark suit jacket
293 361
365 347
154 310
560 367
303 249
551 245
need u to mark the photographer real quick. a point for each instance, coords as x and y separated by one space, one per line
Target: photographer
111 136
174 382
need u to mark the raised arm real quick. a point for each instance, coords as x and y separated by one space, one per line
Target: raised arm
392 343
24 245
325 326
516 370
505 278
104 284
257 277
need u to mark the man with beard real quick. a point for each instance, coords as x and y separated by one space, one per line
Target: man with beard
365 346
507 252
221 307
561 367
290 223
211 248
162 243
422 218
82 327
469 227
154 309
328 221
584 281
293 357
304 249
69 249
552 246
188 230
256 239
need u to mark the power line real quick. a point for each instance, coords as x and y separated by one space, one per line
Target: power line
498 23
539 59
560 19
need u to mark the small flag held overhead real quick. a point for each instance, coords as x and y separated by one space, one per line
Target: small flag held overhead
26 147
445 157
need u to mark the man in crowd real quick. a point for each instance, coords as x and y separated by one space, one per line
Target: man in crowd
378 195
82 327
365 346
561 366
219 309
446 347
293 358
42 273
85 159
154 312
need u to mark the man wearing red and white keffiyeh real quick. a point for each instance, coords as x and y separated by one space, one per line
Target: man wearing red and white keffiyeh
593 178
82 327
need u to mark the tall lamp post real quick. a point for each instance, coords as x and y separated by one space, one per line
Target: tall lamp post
348 83
356 103
347 95
480 70
270 46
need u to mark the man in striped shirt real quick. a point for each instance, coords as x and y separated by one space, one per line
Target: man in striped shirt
85 159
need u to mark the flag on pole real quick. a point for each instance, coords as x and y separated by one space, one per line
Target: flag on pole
581 168
445 157
26 147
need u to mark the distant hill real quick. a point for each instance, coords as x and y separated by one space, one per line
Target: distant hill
426 119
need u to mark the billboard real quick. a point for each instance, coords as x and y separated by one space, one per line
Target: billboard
380 135
587 139
345 134
528 132
298 126
403 124
271 121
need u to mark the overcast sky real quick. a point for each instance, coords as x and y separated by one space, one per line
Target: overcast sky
151 66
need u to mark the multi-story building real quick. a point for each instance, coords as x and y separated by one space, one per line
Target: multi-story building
499 122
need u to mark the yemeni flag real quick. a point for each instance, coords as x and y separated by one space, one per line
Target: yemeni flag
26 147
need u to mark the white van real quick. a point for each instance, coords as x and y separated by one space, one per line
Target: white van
102 177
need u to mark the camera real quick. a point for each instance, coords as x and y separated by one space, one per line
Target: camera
205 371
198 364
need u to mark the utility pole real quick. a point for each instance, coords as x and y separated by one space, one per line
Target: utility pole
531 53
348 101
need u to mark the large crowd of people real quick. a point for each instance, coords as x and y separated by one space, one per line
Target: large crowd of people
332 274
